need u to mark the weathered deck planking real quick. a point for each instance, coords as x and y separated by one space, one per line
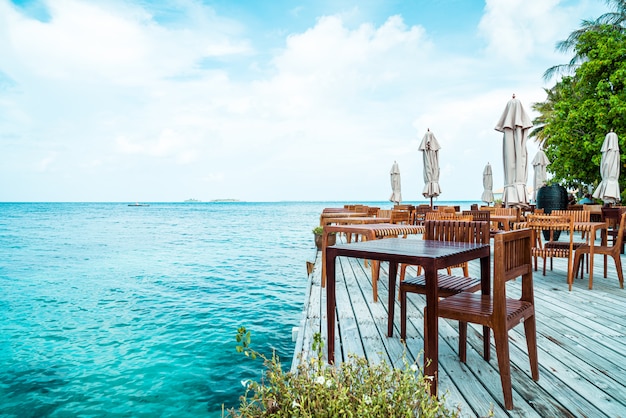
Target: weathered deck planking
581 338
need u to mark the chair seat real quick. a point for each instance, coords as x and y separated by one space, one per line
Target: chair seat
478 309
448 285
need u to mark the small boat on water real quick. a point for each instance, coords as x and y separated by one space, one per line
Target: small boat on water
138 204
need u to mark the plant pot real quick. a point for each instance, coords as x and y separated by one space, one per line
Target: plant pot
549 198
332 239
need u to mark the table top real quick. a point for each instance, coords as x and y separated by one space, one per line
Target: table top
356 220
378 228
407 248
341 214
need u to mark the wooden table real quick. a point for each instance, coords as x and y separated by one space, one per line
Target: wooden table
326 215
368 232
505 220
432 256
359 220
591 228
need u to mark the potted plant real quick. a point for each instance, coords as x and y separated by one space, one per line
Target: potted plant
550 197
318 231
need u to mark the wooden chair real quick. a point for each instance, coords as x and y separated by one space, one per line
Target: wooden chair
613 251
482 215
457 231
442 216
512 259
551 248
420 214
447 216
372 211
612 216
578 215
383 213
400 216
477 215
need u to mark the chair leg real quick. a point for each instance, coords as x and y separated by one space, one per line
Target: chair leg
530 329
486 343
462 341
402 314
402 272
575 268
501 337
618 267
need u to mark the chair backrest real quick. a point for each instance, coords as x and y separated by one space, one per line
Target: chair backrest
447 216
549 223
383 213
577 215
509 212
474 206
615 218
400 216
593 208
611 216
404 207
620 234
478 215
446 209
512 259
419 215
372 211
457 231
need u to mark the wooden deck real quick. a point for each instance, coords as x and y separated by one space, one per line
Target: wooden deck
581 342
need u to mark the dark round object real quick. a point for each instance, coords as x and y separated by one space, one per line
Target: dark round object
549 198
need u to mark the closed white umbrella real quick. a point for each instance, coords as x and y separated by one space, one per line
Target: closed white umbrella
540 162
608 189
396 195
430 147
487 196
515 125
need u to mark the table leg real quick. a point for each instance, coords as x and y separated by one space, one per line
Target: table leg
330 306
393 271
431 343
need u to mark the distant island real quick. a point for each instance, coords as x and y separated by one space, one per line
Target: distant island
192 200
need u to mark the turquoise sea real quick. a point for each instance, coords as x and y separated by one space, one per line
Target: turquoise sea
112 310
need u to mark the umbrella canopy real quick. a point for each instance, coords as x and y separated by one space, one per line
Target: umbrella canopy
608 189
540 162
515 124
396 195
430 147
487 196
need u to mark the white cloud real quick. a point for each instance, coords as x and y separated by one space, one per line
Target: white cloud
105 90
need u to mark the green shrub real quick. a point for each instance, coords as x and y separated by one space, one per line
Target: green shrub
355 388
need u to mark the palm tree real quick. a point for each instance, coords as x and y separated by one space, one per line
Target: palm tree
615 18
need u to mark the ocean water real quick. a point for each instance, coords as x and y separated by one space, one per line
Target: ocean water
111 310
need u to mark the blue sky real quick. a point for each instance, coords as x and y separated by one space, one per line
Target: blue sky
263 101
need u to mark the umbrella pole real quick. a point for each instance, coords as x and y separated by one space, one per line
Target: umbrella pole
431 202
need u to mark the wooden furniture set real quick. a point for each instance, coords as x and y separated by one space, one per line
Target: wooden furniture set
452 242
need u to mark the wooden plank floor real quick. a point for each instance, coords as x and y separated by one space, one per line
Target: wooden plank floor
581 342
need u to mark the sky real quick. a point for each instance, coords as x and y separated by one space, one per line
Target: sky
282 100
